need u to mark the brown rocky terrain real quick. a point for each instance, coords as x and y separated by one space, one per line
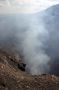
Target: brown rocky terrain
14 77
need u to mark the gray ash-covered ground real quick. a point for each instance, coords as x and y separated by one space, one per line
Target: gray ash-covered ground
14 77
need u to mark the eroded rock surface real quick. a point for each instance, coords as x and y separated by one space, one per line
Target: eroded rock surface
13 78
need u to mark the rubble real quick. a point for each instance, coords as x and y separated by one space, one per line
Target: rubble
14 77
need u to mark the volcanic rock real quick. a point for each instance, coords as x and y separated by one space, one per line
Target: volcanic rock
14 77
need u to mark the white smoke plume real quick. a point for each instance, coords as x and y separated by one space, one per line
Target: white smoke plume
35 36
28 35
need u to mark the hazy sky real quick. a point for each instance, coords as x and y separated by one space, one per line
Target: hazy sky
25 5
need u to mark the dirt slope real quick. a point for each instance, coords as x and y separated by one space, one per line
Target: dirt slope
13 78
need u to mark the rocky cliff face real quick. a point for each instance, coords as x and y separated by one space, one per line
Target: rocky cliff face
14 77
